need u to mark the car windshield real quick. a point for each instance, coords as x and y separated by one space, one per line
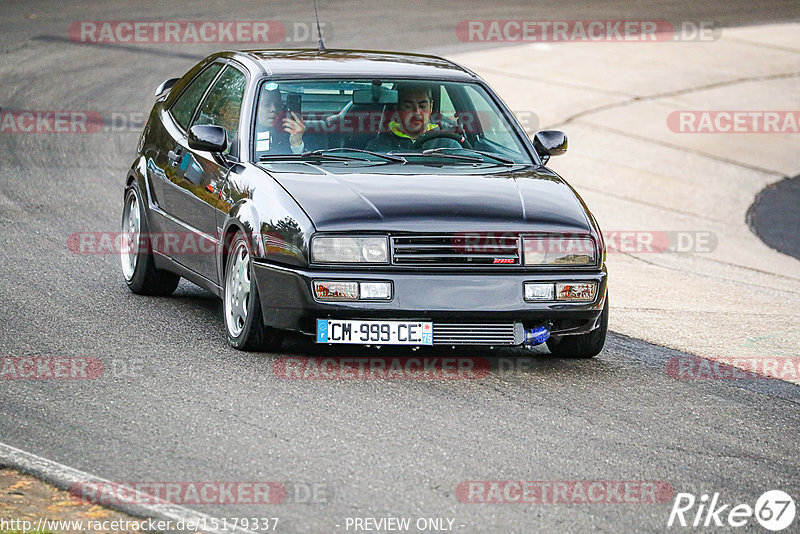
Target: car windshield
411 121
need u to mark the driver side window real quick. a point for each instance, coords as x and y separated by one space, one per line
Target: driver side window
223 103
183 108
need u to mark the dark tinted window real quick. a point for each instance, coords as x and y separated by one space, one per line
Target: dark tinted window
184 107
223 103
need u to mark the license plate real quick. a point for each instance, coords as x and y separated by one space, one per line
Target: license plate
375 332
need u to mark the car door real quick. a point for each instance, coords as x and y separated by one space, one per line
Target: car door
171 127
200 175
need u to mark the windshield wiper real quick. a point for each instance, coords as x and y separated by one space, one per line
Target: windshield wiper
435 152
387 157
501 159
305 156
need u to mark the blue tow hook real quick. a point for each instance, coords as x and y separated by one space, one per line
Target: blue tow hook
536 336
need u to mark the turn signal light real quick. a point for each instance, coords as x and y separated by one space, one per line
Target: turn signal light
584 291
352 290
336 290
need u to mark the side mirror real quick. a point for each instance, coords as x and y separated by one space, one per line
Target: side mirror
550 143
208 138
165 86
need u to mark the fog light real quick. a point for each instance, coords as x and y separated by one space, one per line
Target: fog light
325 290
583 291
376 290
538 291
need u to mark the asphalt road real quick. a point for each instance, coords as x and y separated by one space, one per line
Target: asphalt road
175 403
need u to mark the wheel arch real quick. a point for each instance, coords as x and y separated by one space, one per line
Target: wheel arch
138 173
243 217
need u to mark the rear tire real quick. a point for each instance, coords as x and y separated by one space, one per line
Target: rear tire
586 345
136 254
244 320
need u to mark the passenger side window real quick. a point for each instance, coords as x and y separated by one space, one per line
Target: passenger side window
493 130
183 108
223 103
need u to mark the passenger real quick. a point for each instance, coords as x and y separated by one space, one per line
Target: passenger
413 114
270 137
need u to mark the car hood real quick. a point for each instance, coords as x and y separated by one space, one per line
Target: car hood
417 200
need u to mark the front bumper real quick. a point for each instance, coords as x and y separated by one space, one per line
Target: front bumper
288 301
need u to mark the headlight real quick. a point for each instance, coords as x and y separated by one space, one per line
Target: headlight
366 249
556 250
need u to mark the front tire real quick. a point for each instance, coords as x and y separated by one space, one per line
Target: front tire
244 321
136 254
586 345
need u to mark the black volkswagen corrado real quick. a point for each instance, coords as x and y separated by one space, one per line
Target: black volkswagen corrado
361 197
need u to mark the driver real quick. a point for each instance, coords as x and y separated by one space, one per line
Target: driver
411 120
277 133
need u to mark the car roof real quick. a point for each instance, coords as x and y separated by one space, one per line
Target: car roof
352 63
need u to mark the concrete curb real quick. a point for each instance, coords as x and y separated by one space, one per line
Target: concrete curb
62 477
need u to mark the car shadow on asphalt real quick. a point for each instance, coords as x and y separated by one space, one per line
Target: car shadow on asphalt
483 361
397 361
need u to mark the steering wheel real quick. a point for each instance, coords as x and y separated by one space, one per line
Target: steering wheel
440 134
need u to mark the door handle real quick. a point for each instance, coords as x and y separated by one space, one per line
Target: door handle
175 156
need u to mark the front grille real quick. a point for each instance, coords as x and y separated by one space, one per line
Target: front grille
477 334
475 249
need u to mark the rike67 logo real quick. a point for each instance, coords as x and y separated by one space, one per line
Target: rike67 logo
774 510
